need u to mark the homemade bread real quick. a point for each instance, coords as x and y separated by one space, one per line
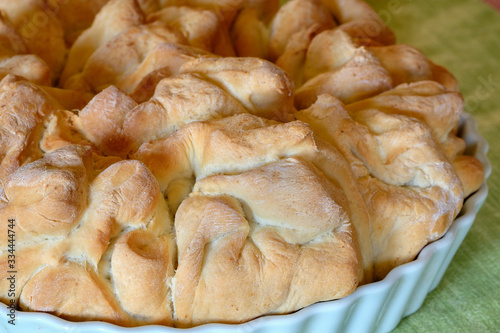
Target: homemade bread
188 162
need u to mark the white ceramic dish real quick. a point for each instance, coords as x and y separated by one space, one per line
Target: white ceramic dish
376 307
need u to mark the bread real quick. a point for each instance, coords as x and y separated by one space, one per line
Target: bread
400 169
165 164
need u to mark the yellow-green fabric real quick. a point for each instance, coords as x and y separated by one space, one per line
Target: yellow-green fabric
463 36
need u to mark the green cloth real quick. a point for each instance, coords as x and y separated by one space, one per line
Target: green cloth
463 36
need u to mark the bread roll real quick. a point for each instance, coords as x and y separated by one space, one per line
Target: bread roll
400 168
261 259
23 109
40 29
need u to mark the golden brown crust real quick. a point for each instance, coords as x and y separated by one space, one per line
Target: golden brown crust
115 17
257 84
210 88
266 257
54 188
14 57
29 66
293 58
142 268
76 16
250 30
28 16
168 181
76 218
360 20
201 28
427 101
471 173
163 61
26 268
400 168
292 18
102 119
68 290
23 109
241 143
166 110
112 63
343 82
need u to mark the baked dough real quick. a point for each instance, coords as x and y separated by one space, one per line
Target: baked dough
409 186
261 260
188 162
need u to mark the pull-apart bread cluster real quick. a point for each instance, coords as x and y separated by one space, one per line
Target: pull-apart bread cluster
186 162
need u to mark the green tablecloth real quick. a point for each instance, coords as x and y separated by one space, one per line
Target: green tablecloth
464 36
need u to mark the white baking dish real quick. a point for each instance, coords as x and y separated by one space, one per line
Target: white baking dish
376 307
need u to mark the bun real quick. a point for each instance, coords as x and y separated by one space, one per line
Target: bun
163 163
